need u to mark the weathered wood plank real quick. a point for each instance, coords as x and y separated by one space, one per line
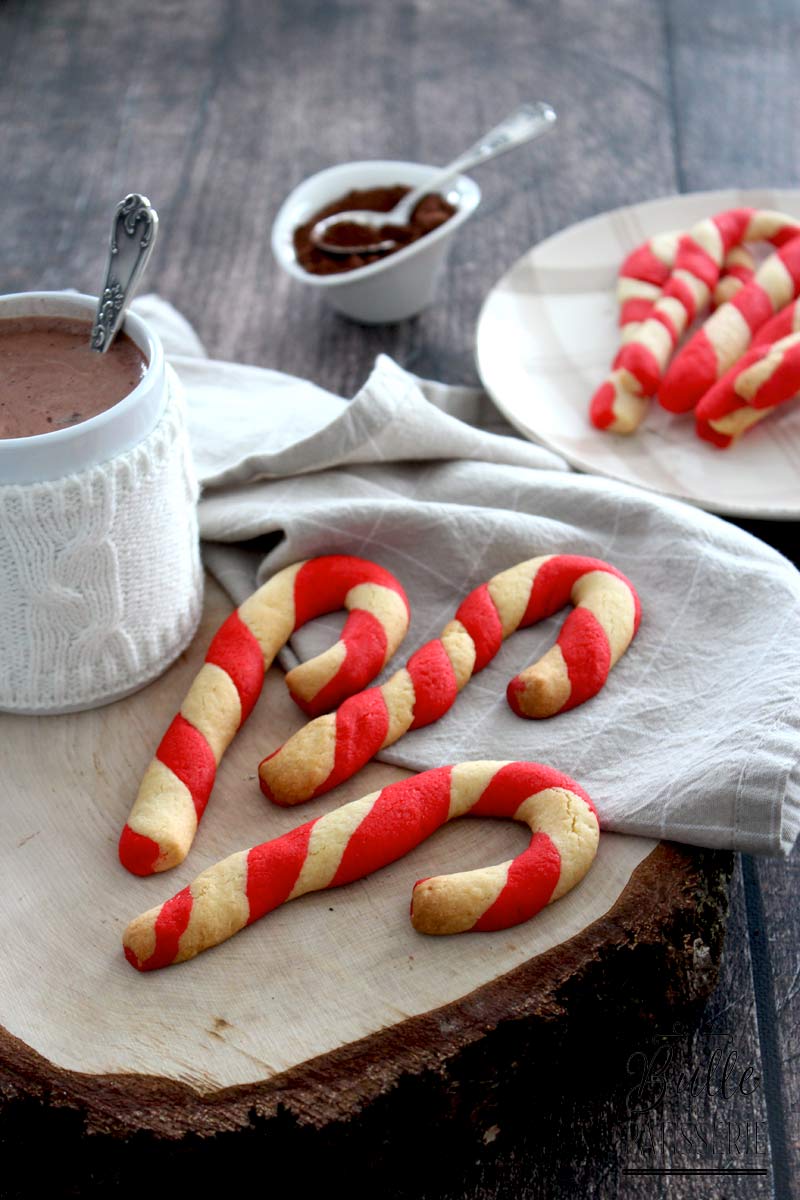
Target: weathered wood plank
217 117
779 937
734 92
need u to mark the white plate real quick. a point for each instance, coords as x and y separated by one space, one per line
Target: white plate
548 331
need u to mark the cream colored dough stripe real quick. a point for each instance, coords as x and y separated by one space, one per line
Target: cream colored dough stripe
610 600
511 591
219 905
468 782
454 903
327 844
164 806
213 706
383 603
571 826
269 613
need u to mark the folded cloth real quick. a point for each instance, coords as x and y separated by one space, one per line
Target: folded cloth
696 735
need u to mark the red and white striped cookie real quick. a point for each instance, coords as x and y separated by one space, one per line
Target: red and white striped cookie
619 404
176 786
728 332
737 270
595 635
367 834
780 326
647 268
765 377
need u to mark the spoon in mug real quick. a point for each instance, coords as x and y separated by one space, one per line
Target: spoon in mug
527 122
133 236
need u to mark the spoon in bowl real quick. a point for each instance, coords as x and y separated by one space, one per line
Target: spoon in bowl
527 122
133 236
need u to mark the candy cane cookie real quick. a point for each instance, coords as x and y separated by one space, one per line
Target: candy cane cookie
619 404
367 834
593 638
647 268
786 321
176 786
766 376
737 270
728 332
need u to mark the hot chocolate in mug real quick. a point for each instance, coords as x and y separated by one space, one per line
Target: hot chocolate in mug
100 578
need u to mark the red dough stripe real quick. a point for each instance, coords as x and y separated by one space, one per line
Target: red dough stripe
783 383
691 374
434 683
635 310
532 879
481 620
404 814
170 925
587 655
362 723
137 852
732 225
554 581
679 290
642 364
514 782
693 258
273 868
322 584
365 653
236 651
754 304
644 265
188 755
602 412
779 326
789 254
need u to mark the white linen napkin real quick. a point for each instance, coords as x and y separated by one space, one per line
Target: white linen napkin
696 735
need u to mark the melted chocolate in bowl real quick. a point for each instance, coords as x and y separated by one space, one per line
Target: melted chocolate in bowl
50 378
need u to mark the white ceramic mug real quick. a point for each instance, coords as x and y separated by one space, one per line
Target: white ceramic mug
100 579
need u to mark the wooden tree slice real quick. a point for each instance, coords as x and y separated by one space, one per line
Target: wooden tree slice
326 1004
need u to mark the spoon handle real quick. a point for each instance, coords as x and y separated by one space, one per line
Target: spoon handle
522 125
133 236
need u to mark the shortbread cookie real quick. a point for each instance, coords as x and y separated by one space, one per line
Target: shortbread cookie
763 378
595 635
646 270
728 332
620 403
360 837
175 789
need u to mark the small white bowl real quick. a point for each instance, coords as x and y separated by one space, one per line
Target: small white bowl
397 286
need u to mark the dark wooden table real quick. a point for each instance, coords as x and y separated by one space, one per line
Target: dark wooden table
215 109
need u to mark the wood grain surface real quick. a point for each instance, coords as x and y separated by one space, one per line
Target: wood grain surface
216 108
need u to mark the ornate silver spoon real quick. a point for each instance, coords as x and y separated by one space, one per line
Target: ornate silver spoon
133 235
525 123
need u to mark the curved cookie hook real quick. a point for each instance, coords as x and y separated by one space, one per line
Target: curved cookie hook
367 834
595 635
174 791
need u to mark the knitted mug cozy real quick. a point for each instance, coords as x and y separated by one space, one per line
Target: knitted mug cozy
100 578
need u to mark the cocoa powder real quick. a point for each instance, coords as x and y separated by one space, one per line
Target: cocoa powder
432 211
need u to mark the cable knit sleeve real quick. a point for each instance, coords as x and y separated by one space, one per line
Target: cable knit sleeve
100 579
